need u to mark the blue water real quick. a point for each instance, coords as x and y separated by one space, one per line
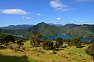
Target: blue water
65 37
85 39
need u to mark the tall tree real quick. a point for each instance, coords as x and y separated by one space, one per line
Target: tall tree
9 38
36 39
76 42
6 38
59 42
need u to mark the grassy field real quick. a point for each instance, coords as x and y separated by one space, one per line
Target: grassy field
68 54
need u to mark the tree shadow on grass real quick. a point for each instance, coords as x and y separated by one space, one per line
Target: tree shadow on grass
2 47
13 59
81 47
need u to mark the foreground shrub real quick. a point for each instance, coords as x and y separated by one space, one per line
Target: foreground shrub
59 42
90 51
47 45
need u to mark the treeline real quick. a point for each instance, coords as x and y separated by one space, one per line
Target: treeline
7 39
38 40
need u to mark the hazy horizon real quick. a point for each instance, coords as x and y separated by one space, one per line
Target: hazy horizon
44 22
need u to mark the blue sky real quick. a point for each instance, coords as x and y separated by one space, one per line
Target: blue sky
14 12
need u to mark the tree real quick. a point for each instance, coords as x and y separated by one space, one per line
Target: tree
6 39
69 42
75 42
48 45
90 51
9 38
59 42
36 39
2 36
20 43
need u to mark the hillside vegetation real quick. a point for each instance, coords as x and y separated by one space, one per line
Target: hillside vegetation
32 55
36 49
84 30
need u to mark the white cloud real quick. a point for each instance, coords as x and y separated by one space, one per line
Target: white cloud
13 11
58 18
58 5
26 17
84 0
38 14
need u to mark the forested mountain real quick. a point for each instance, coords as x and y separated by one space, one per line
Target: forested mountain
26 30
79 30
21 30
45 29
84 30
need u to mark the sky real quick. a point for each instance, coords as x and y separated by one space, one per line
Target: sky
18 12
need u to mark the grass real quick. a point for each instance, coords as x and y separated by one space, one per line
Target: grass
68 54
4 58
7 55
77 54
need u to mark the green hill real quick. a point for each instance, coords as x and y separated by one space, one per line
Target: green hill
45 29
79 30
84 30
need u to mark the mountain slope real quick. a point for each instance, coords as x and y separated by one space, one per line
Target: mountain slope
84 30
17 27
79 30
45 29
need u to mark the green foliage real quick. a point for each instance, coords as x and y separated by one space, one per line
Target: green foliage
6 38
59 42
90 50
48 45
46 29
20 43
36 39
79 30
75 42
3 35
9 38
52 45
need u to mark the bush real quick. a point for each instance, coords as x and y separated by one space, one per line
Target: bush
48 45
6 39
20 43
59 42
90 51
75 42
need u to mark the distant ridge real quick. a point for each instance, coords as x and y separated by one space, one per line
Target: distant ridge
55 24
15 27
84 30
